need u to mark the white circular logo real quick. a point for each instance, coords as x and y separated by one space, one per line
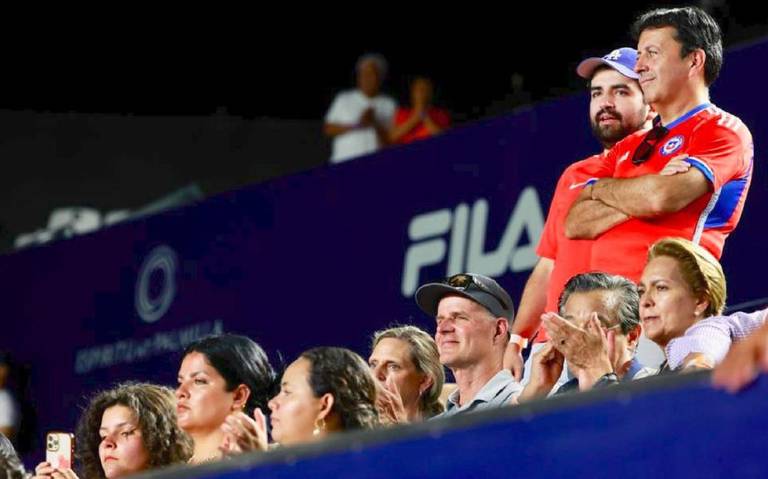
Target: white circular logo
156 284
672 145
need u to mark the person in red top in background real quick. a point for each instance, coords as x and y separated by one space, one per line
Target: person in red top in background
689 176
616 109
421 120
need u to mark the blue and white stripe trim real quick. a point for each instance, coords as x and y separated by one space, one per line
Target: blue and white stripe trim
703 217
724 201
703 167
688 115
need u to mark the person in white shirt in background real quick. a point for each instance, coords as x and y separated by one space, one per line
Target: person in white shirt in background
359 120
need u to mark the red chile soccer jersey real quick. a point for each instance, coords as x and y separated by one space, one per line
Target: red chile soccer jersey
571 257
720 146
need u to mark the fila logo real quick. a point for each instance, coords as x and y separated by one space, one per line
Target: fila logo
457 237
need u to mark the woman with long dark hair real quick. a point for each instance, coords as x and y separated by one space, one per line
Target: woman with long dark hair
325 391
220 375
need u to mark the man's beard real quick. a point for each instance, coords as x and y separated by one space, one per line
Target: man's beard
610 134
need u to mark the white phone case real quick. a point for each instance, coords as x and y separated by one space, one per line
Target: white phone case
59 448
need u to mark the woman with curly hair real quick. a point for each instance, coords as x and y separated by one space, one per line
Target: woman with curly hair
125 430
325 391
220 375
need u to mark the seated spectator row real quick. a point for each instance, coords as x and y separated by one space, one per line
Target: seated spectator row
228 399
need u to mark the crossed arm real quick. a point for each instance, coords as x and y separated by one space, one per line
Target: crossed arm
611 201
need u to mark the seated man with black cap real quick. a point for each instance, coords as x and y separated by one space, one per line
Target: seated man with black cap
473 314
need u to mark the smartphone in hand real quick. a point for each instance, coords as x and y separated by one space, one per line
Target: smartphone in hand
59 449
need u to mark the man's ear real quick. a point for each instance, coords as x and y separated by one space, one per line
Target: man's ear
633 336
697 59
651 114
502 330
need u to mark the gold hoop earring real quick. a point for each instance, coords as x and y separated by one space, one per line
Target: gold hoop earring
319 426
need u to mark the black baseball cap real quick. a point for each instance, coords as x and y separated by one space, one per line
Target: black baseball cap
477 287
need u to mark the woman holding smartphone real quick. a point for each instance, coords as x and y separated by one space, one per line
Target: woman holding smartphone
220 375
126 430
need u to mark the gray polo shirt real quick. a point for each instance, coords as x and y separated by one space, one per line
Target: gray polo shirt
497 392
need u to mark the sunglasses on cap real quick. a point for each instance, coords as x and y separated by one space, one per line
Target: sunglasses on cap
465 282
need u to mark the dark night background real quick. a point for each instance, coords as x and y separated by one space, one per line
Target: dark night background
292 71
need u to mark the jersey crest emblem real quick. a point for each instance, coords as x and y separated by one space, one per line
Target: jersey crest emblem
672 145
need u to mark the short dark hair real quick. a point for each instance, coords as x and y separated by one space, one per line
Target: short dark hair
696 29
154 408
239 360
346 376
626 297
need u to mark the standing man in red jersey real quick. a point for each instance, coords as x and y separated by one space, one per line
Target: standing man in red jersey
687 177
616 109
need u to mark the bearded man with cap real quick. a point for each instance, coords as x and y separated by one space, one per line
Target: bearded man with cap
616 109
473 314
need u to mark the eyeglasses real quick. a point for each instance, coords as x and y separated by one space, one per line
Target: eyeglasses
465 281
652 138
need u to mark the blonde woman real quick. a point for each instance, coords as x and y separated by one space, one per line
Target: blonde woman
682 284
406 365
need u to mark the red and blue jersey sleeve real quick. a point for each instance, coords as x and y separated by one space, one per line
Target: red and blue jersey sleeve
722 150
